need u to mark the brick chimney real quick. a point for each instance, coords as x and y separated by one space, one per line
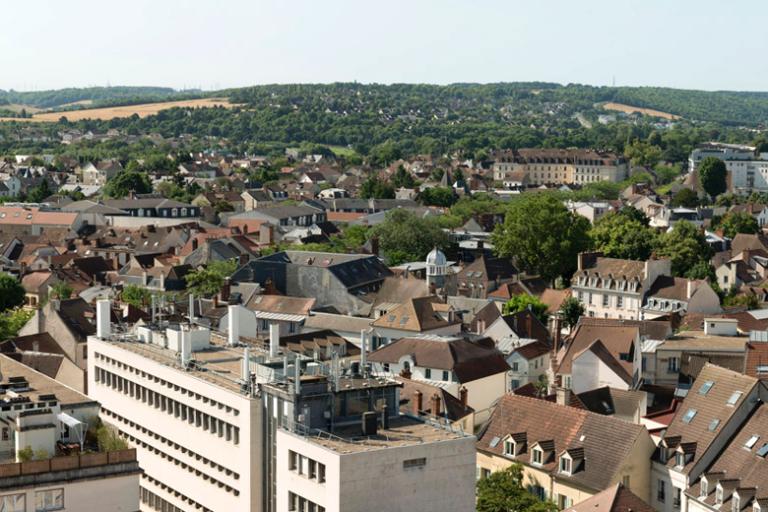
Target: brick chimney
417 402
225 290
375 245
529 322
435 405
463 396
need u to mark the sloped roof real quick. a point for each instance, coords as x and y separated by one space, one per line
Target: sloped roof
606 441
713 405
417 315
616 498
449 404
616 340
469 360
281 304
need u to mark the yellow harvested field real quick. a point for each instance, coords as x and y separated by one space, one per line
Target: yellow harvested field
106 113
629 109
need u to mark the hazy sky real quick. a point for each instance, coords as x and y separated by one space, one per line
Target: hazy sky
703 44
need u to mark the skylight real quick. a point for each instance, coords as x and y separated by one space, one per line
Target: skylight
751 442
704 389
763 451
494 442
689 415
735 397
713 424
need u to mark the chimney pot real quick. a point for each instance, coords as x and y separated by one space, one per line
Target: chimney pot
435 405
463 396
417 402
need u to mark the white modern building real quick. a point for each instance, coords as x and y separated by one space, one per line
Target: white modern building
220 424
747 170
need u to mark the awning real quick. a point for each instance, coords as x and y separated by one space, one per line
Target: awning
281 317
76 426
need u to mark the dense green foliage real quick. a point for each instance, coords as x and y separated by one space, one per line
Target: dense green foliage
686 247
209 280
712 175
503 491
11 322
622 235
405 237
61 290
571 310
686 198
542 236
128 181
523 301
738 222
99 95
11 292
137 296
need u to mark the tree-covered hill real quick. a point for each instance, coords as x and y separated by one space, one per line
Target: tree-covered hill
97 95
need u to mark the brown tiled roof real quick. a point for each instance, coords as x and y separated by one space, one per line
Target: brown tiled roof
710 406
519 323
531 350
757 360
281 304
616 498
469 360
744 241
629 269
554 298
668 287
739 467
398 290
617 339
417 314
607 442
488 314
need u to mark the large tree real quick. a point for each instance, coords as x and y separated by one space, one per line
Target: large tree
738 222
523 301
403 236
542 236
686 198
503 491
571 310
209 280
11 292
686 246
712 175
128 181
621 236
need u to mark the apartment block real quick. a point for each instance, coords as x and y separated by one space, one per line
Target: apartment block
545 166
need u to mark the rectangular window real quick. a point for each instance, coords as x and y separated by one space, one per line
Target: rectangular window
625 481
676 501
52 499
427 373
13 503
619 302
605 300
661 494
446 376
565 465
537 456
673 365
414 463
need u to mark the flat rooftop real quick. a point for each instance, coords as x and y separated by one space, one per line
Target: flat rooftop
402 431
15 374
697 340
218 364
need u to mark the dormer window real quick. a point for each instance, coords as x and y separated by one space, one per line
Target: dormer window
704 488
719 495
735 503
537 456
509 447
679 459
566 465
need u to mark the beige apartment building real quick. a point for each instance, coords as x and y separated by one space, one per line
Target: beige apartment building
544 166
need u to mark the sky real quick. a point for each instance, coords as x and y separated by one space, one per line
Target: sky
215 44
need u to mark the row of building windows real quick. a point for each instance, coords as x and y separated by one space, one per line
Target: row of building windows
606 300
155 502
305 466
168 442
298 503
208 478
182 497
45 501
181 411
165 383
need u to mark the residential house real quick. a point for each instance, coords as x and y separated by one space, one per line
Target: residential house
484 275
616 498
415 316
281 215
678 295
710 415
452 363
141 206
615 288
420 398
339 282
568 455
